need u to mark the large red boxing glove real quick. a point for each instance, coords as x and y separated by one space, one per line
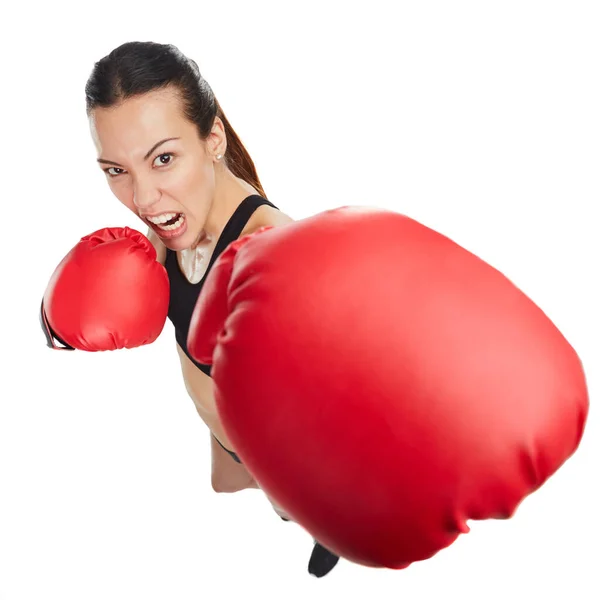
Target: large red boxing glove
107 293
383 384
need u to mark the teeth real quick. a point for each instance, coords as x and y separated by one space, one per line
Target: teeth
175 225
162 218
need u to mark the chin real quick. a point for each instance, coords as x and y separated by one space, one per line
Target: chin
182 242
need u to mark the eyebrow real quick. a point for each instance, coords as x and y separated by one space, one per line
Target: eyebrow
112 162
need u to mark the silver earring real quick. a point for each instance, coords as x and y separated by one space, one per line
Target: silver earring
219 156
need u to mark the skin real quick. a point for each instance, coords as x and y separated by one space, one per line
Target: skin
181 176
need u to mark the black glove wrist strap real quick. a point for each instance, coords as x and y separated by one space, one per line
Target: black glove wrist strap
50 335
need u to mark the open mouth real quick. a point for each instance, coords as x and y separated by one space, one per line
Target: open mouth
168 222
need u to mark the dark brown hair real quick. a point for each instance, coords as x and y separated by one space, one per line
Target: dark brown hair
135 68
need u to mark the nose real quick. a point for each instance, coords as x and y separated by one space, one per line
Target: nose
145 195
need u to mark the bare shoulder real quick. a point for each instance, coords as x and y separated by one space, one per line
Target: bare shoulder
161 249
264 216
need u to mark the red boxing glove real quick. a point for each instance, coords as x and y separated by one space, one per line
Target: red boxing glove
383 384
109 292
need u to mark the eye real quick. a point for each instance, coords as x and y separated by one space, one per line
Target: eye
164 159
117 171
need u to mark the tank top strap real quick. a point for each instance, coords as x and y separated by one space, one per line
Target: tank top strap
237 222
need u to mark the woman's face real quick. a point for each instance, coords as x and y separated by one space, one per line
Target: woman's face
168 184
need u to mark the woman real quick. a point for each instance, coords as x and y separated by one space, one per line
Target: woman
172 158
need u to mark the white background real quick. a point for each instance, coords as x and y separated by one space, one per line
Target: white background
480 119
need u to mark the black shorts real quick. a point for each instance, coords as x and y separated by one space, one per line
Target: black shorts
232 454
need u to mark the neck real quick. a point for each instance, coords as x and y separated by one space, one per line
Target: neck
230 191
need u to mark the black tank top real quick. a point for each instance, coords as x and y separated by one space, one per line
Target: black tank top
184 294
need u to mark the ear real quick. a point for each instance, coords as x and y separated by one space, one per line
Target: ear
217 139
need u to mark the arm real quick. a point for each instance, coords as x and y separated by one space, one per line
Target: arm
227 475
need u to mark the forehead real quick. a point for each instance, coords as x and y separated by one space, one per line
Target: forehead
139 122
